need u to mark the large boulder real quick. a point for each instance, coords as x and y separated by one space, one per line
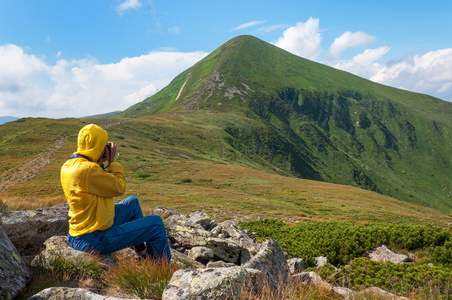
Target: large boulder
14 273
271 261
29 229
58 247
214 283
383 254
66 293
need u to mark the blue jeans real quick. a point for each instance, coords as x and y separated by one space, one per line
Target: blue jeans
129 229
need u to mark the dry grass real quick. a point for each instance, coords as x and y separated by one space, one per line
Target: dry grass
294 288
145 279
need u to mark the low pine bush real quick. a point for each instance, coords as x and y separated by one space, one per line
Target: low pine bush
341 242
423 280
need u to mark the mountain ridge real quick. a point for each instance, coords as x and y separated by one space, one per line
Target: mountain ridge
316 122
324 77
6 119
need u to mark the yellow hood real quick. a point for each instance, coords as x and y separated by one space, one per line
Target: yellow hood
91 141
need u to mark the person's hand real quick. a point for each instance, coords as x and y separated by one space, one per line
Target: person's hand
112 153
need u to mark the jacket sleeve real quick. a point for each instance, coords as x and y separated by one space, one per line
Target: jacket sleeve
107 183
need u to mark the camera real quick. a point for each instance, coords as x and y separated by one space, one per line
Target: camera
109 150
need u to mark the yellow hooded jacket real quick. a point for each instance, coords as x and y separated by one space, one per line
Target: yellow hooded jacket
89 189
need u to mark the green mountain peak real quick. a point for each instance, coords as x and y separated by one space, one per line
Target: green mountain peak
312 121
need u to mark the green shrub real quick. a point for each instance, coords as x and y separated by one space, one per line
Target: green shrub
404 279
341 242
443 254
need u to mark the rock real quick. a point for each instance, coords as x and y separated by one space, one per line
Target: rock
219 264
63 293
380 293
14 273
344 292
227 250
201 218
383 254
58 247
227 240
185 233
296 265
29 229
308 278
164 212
231 230
321 261
183 261
216 283
272 262
201 254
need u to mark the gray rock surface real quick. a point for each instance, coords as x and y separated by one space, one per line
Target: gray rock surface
380 293
29 229
383 254
271 261
56 247
201 218
321 261
228 241
216 283
296 265
66 293
201 254
14 273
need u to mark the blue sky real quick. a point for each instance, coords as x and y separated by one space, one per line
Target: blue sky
76 58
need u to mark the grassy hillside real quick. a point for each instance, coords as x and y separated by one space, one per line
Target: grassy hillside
180 161
304 119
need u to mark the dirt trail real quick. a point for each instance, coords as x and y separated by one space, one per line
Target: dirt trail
31 169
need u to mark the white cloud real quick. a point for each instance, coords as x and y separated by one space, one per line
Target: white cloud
246 25
349 40
174 30
304 39
23 80
127 5
14 62
430 73
271 28
30 87
364 64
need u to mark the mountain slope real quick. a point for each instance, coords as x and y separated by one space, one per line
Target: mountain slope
182 162
311 121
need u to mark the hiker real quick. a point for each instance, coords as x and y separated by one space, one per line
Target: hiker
90 180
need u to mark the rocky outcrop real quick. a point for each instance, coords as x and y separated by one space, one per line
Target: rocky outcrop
14 273
29 229
221 242
217 261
